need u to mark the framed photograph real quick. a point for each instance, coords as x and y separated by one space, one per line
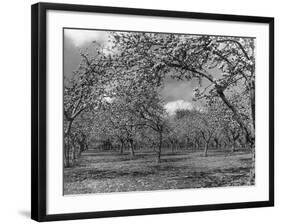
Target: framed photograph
139 111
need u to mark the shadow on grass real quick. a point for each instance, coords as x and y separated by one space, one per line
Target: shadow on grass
104 174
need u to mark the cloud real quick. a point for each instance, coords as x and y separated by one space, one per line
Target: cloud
80 37
173 106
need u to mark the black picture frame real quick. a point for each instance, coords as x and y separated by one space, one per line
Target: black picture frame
39 107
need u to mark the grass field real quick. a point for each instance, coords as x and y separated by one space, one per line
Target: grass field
100 172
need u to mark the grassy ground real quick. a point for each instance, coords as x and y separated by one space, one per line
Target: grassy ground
99 172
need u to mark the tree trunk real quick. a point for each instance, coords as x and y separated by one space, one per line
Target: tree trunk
196 145
216 143
131 142
158 160
206 149
251 180
74 153
68 142
65 155
186 142
67 152
82 147
253 105
252 101
249 133
121 148
173 147
233 147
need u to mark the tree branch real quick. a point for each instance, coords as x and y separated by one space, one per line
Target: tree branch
236 42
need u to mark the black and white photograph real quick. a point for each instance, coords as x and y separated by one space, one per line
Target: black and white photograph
140 112
149 111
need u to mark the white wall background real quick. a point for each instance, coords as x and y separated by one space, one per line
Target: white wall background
15 110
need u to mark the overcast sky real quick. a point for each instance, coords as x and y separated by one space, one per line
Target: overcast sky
176 94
